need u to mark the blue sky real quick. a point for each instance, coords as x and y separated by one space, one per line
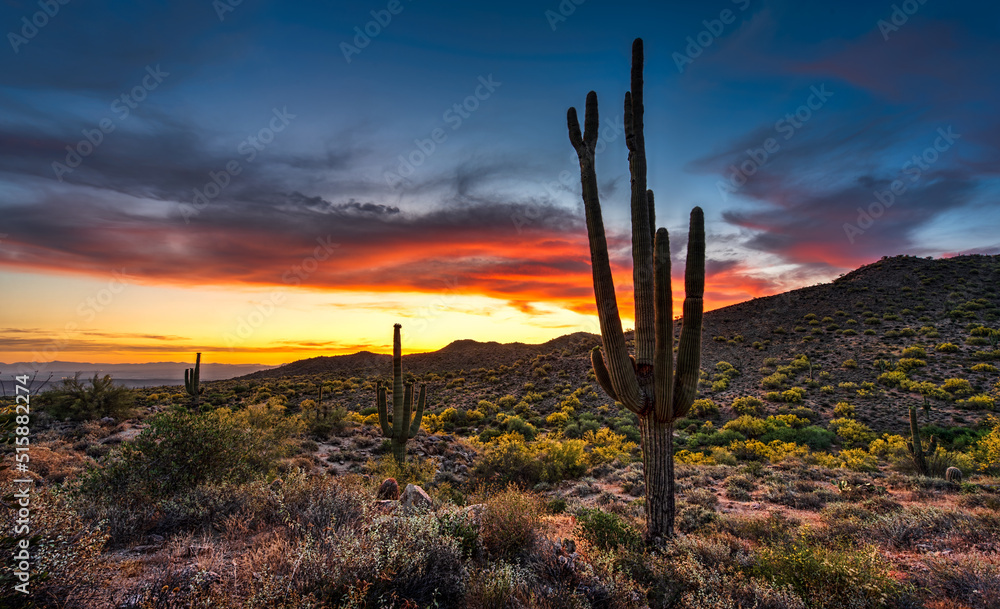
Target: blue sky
840 96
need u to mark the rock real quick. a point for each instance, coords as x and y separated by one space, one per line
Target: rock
389 489
156 538
108 421
415 498
386 506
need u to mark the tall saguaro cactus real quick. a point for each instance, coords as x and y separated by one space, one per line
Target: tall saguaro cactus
653 385
404 424
192 377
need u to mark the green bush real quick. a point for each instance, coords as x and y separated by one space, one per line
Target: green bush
80 401
747 405
831 578
704 409
181 451
606 530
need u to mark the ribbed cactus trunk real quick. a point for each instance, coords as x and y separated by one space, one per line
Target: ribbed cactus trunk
652 385
404 424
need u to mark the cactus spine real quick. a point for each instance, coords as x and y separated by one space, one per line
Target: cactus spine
192 377
404 424
655 386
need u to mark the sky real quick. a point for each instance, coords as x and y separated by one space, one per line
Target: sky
267 181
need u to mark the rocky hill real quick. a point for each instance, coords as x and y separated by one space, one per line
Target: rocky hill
830 342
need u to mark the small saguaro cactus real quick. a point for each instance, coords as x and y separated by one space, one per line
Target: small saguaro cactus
192 377
916 448
953 474
654 384
403 423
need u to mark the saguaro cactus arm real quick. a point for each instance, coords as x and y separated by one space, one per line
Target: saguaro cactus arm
663 360
415 425
383 412
620 368
689 350
601 373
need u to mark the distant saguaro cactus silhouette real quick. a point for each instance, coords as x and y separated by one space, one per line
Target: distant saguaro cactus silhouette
192 378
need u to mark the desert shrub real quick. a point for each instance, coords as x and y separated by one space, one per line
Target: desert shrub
957 387
859 460
520 426
915 351
907 364
691 518
606 530
65 554
507 459
407 559
747 405
844 409
831 578
415 470
774 451
560 459
889 446
747 425
946 348
557 419
852 433
81 401
510 522
972 579
850 363
774 381
178 453
704 409
497 585
988 448
322 419
607 446
978 402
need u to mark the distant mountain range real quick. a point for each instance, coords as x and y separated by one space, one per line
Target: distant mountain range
133 375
